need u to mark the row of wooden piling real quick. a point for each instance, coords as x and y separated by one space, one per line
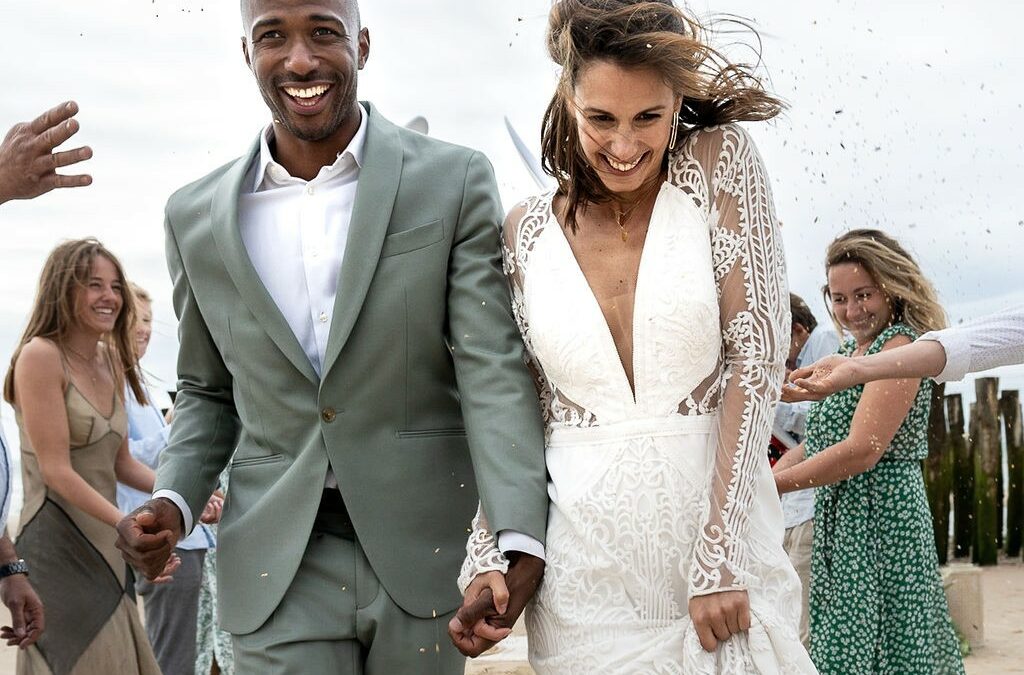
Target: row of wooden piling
964 473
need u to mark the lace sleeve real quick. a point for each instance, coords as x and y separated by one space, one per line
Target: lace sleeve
482 553
751 278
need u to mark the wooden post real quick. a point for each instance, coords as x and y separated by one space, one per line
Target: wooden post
938 473
963 477
1009 405
988 470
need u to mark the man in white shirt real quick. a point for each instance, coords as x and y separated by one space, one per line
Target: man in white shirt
810 341
347 343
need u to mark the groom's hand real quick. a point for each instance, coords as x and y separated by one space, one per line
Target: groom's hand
525 573
469 630
147 536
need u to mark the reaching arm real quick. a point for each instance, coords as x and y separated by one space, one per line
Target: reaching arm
39 384
880 412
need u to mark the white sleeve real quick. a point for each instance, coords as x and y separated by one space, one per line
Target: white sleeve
984 343
179 501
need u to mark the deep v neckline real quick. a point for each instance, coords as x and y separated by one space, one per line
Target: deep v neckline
595 304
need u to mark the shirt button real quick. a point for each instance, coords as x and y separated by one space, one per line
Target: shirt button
328 415
323 317
310 190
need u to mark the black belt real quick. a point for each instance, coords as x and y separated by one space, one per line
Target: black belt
332 516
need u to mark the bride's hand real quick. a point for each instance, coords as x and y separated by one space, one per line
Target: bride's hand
494 581
718 616
468 629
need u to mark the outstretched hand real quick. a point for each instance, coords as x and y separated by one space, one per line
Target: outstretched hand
820 379
147 537
27 617
28 164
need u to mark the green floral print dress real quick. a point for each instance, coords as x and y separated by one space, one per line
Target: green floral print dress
877 605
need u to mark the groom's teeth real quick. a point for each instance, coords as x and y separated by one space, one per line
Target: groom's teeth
306 92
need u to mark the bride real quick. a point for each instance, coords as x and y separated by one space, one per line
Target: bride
650 291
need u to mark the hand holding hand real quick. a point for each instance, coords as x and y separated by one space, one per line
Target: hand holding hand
525 572
28 165
486 596
820 379
147 536
718 616
27 617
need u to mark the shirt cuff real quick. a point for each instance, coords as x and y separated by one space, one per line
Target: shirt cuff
179 501
958 354
511 540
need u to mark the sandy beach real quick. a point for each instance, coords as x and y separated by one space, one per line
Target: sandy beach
1003 651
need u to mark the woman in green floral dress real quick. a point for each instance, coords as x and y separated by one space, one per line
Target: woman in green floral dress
877 605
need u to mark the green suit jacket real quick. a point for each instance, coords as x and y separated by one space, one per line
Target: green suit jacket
423 384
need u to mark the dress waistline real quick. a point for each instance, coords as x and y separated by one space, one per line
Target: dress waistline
672 425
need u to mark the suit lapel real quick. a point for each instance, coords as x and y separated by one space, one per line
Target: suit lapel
224 213
371 213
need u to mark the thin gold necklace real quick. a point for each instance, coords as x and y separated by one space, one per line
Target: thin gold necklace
85 360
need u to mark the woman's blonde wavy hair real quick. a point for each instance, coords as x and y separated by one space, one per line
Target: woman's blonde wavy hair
53 317
651 34
911 295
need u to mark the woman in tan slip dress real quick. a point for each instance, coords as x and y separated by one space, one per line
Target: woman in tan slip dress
65 383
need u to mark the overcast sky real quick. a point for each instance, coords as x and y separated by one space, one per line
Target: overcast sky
903 115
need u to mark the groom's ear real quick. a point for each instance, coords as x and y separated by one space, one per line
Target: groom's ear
245 53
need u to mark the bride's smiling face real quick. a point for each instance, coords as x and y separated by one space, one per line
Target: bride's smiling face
624 117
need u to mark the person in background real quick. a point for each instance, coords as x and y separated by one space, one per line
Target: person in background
809 342
17 594
28 163
877 604
171 609
945 356
66 383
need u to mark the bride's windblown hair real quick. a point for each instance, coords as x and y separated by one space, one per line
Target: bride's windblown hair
639 34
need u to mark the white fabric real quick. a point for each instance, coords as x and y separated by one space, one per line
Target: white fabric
666 494
798 506
147 437
984 343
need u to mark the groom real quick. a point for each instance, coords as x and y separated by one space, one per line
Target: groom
347 347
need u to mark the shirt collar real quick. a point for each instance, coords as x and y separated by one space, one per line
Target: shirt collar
276 175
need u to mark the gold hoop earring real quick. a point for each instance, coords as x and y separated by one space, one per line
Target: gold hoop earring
675 131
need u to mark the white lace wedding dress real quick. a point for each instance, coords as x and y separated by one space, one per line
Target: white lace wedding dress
666 494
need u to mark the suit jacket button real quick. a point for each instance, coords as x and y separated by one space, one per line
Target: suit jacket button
328 415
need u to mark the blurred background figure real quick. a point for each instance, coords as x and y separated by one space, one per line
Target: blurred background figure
809 342
65 382
27 620
171 609
28 163
877 603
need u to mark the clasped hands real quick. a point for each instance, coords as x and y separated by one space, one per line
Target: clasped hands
493 603
147 536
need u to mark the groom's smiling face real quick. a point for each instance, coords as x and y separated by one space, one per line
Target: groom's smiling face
306 56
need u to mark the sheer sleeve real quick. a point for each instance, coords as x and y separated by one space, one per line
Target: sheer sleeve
754 309
482 553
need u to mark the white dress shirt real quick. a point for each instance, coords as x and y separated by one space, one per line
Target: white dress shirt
798 506
986 342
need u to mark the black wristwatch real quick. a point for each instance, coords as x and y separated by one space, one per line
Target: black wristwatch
16 567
